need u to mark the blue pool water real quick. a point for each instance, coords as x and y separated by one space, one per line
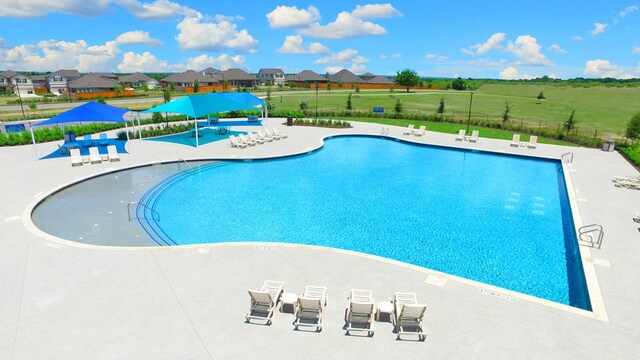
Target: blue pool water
501 220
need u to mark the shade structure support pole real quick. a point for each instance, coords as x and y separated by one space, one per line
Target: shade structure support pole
139 128
126 130
195 123
33 139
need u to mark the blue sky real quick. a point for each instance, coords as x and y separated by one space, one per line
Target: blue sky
494 39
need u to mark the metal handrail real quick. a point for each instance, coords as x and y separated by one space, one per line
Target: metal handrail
595 241
153 212
185 161
565 154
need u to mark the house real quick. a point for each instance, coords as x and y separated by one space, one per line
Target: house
39 83
271 76
239 78
367 76
187 79
380 80
91 83
58 82
212 72
21 84
137 80
110 76
345 76
305 79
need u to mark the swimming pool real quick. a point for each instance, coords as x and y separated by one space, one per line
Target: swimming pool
497 219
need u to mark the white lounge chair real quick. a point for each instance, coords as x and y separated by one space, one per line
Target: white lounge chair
254 138
408 130
236 143
533 142
76 158
629 184
264 301
460 136
94 155
421 131
361 311
626 178
310 306
112 153
246 140
271 134
279 134
262 136
408 315
474 136
516 140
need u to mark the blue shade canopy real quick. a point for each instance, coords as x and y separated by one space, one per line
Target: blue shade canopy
89 112
201 105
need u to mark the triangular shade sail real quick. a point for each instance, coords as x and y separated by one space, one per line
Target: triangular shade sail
201 105
89 112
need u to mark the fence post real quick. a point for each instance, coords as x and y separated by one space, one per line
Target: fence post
595 135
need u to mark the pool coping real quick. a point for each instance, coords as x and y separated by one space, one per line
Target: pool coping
595 295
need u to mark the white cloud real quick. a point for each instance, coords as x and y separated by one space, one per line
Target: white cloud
396 56
636 50
371 11
354 68
208 36
132 62
598 28
511 73
3 44
52 54
555 48
602 68
293 44
32 9
493 43
628 10
526 47
292 17
436 57
383 56
343 57
159 9
137 37
576 38
345 26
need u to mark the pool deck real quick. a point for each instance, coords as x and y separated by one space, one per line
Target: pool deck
61 300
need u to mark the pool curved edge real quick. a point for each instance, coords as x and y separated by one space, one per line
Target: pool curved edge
598 310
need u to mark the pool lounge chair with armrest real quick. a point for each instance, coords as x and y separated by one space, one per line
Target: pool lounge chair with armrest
310 306
246 140
112 153
516 140
361 311
629 184
265 300
408 130
474 136
254 138
626 178
76 158
94 155
262 136
271 134
421 131
279 134
533 142
408 315
236 143
460 135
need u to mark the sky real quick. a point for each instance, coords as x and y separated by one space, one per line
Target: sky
470 39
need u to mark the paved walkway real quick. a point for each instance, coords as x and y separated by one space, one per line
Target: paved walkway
61 300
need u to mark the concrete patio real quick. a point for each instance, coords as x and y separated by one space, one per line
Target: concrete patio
64 300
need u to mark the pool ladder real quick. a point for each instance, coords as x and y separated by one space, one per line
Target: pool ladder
567 156
384 131
184 161
591 235
154 214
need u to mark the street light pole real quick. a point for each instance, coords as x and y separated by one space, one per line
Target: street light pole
20 98
317 85
469 117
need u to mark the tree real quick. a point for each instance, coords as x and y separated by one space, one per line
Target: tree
633 127
398 107
156 117
145 86
349 104
357 88
224 85
541 96
506 114
166 94
441 107
458 84
570 124
32 105
172 86
329 86
303 105
117 89
407 78
196 86
100 100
